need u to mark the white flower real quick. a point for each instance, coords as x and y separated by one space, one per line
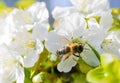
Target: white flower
112 43
26 34
18 18
37 13
68 22
29 44
27 28
10 66
96 22
86 23
97 14
95 33
67 27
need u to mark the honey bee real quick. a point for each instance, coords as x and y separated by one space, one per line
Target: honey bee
70 49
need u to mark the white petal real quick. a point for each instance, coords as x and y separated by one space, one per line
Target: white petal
66 65
8 75
20 75
117 36
60 12
39 31
38 12
78 3
106 19
72 25
89 57
39 47
94 35
30 59
17 18
54 42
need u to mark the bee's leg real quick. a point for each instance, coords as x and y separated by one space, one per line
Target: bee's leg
77 55
67 56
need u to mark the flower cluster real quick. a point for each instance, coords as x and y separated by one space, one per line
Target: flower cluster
26 33
85 22
22 33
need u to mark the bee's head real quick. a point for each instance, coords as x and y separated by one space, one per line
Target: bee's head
78 48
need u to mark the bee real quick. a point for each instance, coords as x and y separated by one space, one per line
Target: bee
70 49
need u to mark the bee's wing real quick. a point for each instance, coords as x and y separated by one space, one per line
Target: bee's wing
66 65
65 56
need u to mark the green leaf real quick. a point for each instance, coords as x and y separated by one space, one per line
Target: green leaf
50 28
27 76
107 72
116 23
97 18
106 59
115 28
96 75
113 69
79 78
84 68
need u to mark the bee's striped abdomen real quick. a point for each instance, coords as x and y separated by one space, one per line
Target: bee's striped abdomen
63 51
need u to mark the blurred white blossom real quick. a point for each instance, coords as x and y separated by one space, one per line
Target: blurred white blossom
11 69
23 34
28 45
29 28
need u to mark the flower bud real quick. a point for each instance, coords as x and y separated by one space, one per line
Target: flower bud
39 78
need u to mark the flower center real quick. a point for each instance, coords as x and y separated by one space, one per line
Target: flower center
10 62
30 44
